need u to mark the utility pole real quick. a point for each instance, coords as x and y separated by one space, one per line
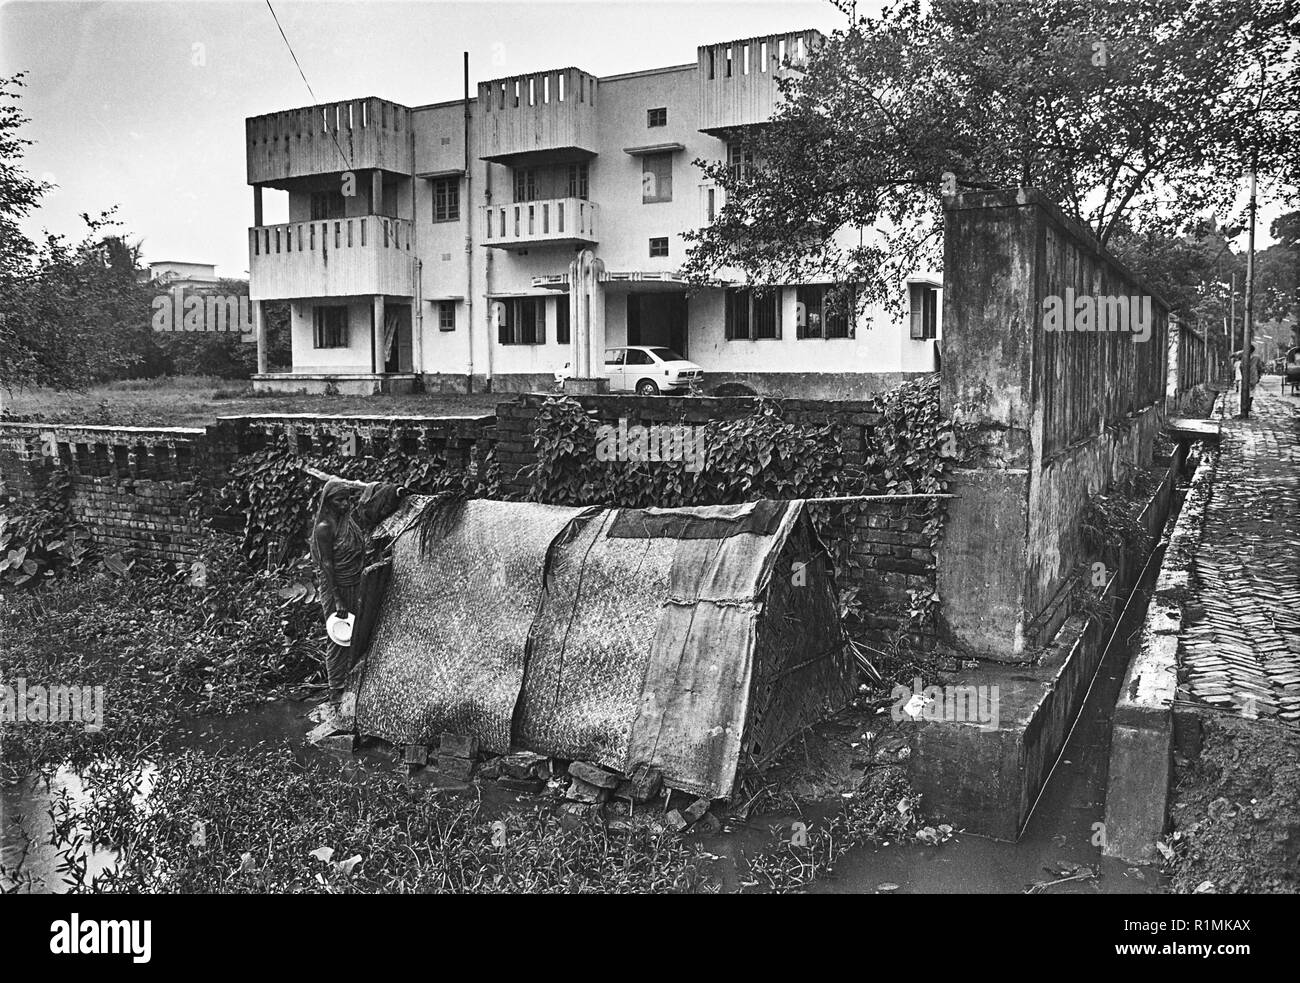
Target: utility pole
1247 327
1232 314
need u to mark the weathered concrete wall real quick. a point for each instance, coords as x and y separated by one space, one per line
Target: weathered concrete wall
1048 418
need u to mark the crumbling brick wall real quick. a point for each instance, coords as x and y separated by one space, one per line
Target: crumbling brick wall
132 487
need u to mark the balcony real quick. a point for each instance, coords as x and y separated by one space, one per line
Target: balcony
737 79
359 134
550 221
550 115
337 257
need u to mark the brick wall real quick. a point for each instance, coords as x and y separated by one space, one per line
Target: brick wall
144 491
883 548
131 486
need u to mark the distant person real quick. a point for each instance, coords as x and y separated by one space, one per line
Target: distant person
1252 369
340 539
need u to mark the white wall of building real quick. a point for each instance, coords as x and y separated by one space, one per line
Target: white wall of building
625 226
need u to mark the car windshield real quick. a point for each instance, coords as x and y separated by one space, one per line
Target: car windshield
666 355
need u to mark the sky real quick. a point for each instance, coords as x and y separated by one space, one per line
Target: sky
142 105
126 111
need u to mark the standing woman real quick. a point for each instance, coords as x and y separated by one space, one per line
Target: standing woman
340 539
338 546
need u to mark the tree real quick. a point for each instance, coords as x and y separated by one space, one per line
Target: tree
69 314
1123 113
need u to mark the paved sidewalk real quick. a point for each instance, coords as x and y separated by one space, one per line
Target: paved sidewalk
1241 642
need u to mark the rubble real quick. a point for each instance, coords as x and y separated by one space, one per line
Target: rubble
592 775
580 791
525 764
456 756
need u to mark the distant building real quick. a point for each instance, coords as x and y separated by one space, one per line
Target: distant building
176 273
540 222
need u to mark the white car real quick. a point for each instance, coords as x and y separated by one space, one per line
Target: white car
646 370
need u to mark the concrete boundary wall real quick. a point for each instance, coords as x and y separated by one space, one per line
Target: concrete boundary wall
1146 724
1048 418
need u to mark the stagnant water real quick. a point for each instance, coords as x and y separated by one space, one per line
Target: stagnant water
1061 832
1059 838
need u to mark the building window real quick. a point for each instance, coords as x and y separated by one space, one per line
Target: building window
659 247
562 319
525 184
753 314
522 321
446 315
766 317
330 327
740 160
446 199
578 181
656 178
326 204
925 305
657 117
826 312
712 207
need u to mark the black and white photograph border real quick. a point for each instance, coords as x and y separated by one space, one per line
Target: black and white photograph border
651 448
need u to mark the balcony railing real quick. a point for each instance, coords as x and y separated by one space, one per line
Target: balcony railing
738 79
545 114
562 221
357 134
335 257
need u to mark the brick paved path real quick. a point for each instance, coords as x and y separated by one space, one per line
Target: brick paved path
1241 643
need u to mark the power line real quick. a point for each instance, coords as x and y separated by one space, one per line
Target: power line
314 100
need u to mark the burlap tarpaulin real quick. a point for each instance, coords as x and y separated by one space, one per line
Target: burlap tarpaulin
617 636
447 654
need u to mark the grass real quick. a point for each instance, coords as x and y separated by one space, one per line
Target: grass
195 401
160 647
248 819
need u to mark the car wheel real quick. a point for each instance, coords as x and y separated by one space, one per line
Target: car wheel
647 387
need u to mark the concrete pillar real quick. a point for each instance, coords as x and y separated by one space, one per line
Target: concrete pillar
1175 350
596 321
986 386
578 341
377 334
257 205
259 331
587 323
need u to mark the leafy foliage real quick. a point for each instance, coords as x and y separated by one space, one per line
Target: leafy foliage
162 641
1117 111
910 450
760 456
277 497
40 538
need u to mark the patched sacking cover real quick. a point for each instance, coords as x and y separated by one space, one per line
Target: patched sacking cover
684 646
447 653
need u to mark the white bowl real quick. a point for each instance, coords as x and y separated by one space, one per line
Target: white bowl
340 629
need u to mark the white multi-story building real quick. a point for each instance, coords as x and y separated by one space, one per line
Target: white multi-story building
440 243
